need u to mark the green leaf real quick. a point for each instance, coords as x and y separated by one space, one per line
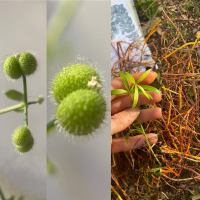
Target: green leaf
143 76
19 110
150 88
135 100
130 77
118 91
157 174
159 77
14 95
195 192
191 92
133 91
128 133
21 198
156 170
145 93
138 129
148 125
125 81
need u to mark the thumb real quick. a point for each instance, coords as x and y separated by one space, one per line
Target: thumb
124 119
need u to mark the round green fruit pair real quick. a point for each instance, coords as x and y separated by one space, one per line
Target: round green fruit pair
81 106
15 65
23 139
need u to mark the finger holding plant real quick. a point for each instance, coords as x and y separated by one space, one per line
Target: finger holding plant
16 66
128 93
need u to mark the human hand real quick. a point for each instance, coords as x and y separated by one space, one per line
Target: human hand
122 116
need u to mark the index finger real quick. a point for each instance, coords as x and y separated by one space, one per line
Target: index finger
118 84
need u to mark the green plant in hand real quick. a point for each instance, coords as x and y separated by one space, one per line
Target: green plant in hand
16 66
136 89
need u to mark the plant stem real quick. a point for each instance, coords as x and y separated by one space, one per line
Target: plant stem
25 99
50 126
148 141
1 195
11 108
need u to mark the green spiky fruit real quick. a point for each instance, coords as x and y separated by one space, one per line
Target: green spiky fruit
23 139
81 112
12 68
28 63
72 78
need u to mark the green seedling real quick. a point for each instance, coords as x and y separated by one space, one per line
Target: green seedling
136 89
80 103
16 66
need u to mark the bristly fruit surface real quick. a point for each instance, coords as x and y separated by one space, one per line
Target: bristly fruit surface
23 139
71 78
28 63
12 67
81 112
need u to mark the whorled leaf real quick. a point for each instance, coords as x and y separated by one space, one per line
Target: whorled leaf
128 133
14 95
118 91
150 88
143 76
125 81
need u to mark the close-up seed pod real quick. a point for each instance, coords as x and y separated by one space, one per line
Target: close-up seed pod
28 63
81 112
11 67
22 139
71 78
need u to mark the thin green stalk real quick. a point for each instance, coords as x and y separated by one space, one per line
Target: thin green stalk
25 99
1 195
148 141
50 126
11 108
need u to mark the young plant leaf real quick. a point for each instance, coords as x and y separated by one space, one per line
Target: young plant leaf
145 93
125 81
143 76
135 100
128 133
130 77
150 88
14 95
118 91
19 110
133 91
138 129
156 170
148 125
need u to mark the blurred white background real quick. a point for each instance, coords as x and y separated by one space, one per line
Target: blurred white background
23 28
83 169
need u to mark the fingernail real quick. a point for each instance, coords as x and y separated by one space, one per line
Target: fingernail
155 74
133 113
